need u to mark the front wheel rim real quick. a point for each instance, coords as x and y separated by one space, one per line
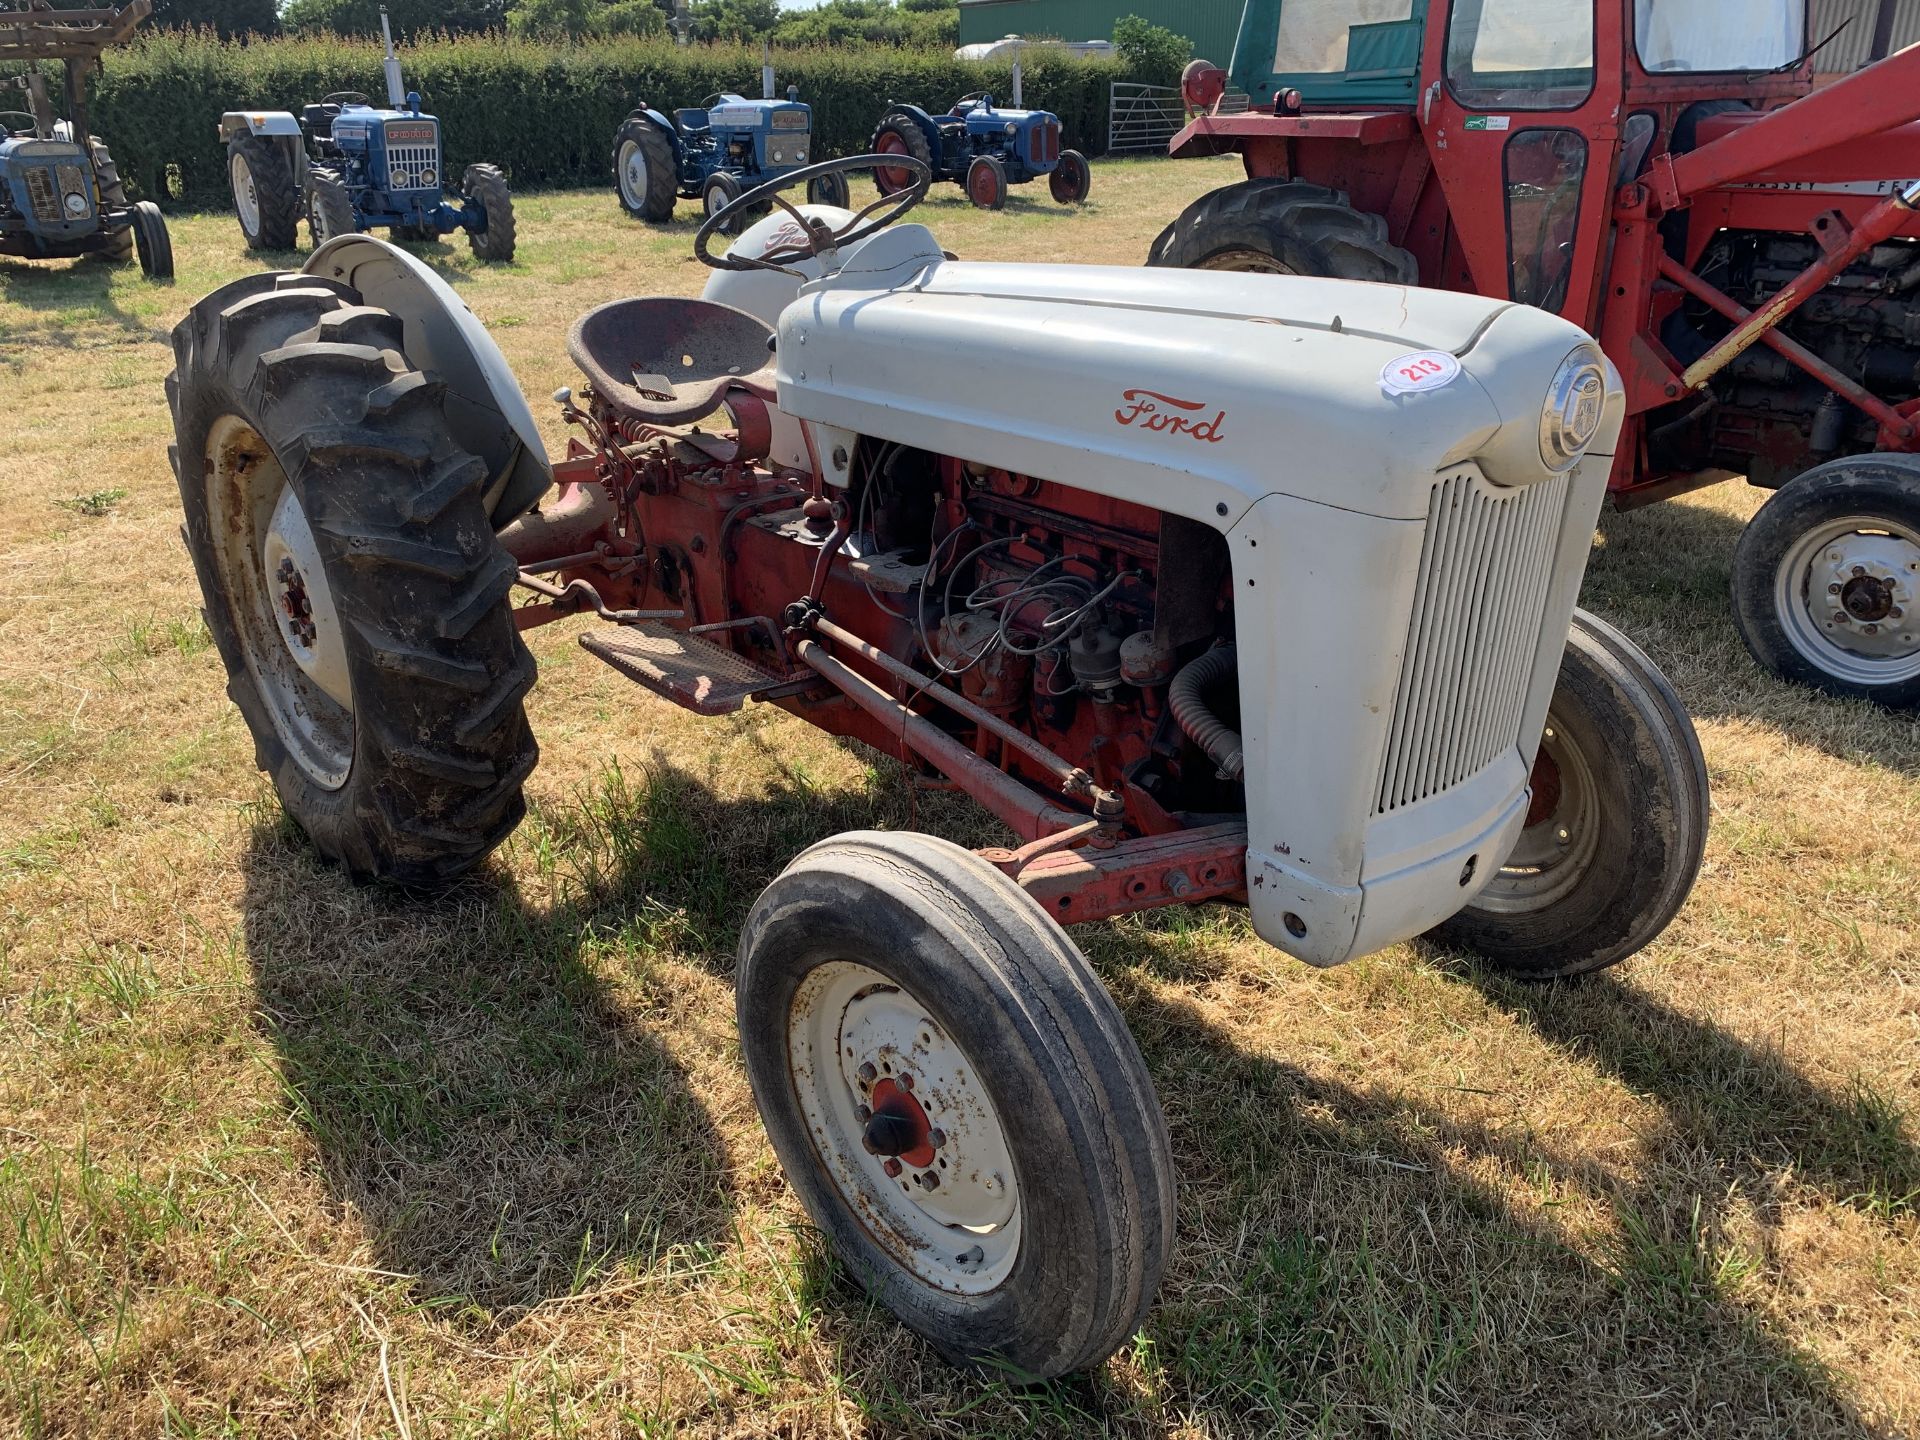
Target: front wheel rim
281 602
1556 848
1846 593
633 174
246 199
906 1134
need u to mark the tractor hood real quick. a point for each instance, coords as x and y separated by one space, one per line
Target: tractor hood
1192 391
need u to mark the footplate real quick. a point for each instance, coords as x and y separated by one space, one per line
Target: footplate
690 671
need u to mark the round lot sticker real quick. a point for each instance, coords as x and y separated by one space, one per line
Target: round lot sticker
1423 370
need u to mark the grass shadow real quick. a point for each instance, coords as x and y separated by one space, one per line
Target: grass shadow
56 287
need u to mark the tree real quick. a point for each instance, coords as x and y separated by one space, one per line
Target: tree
228 17
734 19
925 24
581 19
1153 54
409 17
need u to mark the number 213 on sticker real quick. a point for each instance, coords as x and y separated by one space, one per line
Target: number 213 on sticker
1424 370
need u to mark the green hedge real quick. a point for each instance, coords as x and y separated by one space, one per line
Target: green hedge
544 112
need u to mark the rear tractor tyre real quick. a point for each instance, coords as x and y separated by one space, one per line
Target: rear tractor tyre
1826 580
486 187
266 201
1618 824
830 190
351 579
1283 227
956 1101
113 191
987 183
899 135
151 242
645 173
329 208
1071 179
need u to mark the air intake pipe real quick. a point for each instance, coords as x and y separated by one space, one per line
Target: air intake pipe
1187 698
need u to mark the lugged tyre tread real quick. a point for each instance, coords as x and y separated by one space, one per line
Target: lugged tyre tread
663 174
1310 228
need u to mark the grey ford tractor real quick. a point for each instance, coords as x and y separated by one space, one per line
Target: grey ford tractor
61 195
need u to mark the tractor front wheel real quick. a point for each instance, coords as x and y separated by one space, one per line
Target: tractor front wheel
486 187
956 1100
351 579
1826 580
1283 227
1071 179
329 208
644 169
266 201
152 242
829 190
1617 827
987 183
113 191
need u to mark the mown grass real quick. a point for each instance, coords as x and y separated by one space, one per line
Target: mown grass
279 1156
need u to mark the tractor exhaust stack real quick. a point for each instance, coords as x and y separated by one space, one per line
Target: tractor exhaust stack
396 86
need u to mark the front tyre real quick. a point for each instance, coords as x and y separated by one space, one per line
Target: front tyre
329 207
830 190
151 242
1826 580
956 1101
1071 179
1617 828
987 183
486 186
351 579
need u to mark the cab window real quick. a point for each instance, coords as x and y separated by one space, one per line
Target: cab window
1521 54
1683 35
1313 38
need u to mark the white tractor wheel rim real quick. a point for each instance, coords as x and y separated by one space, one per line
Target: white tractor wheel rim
1250 262
1551 858
281 603
1847 594
246 200
633 173
950 1213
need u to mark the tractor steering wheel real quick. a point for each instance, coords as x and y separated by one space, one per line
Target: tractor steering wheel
345 97
26 115
820 236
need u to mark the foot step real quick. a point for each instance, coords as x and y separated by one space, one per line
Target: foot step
686 669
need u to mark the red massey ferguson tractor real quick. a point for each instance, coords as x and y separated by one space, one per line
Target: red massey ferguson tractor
1664 174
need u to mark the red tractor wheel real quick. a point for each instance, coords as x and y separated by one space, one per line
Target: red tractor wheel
1071 178
898 135
987 183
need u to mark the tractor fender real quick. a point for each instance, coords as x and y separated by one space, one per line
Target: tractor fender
485 409
666 127
920 118
277 123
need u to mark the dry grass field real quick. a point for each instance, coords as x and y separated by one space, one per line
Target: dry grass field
280 1156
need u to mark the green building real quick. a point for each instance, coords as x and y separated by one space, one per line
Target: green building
1209 24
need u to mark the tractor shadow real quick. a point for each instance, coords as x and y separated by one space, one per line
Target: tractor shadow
67 294
1663 574
487 1080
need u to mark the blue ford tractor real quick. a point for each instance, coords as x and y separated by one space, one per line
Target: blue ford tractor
347 166
60 192
715 151
983 146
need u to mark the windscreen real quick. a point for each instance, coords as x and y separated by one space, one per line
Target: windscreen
1521 54
1682 35
1313 33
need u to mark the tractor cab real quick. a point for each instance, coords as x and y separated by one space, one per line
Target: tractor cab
1665 174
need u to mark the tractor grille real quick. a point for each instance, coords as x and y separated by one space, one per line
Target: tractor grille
1045 144
1475 631
413 167
42 195
73 185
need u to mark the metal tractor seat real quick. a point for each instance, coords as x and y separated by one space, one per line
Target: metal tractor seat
319 119
667 360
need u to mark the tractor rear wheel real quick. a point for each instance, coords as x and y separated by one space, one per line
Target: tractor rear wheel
1618 825
644 170
1826 580
899 135
266 201
486 186
152 242
351 579
113 191
329 207
956 1100
987 183
1283 227
1071 178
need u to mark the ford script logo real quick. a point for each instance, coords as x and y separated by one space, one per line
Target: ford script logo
1153 411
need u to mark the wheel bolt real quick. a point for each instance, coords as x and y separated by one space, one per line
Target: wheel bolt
867 1073
1839 617
936 1138
906 1081
1859 570
892 1167
1872 629
1833 589
862 1114
928 1180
